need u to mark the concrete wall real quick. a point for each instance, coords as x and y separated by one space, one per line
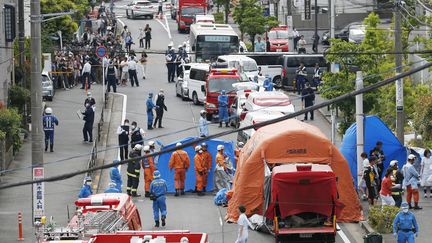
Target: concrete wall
6 54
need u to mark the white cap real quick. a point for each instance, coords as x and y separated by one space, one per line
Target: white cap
202 112
88 93
48 110
146 148
151 143
184 240
112 184
197 148
220 147
393 163
138 147
411 156
178 144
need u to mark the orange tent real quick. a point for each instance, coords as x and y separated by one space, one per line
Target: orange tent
289 141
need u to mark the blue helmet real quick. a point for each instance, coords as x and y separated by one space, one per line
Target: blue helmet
223 92
150 95
404 205
116 161
156 174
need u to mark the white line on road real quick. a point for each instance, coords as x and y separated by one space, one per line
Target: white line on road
166 26
123 117
120 21
342 234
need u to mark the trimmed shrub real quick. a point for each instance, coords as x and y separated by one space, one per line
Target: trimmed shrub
381 218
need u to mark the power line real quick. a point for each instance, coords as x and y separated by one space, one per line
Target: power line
254 126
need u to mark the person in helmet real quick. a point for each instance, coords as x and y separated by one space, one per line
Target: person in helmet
208 163
115 175
133 171
223 108
180 162
88 117
150 107
237 151
123 138
268 84
152 146
111 76
203 124
405 225
112 188
221 176
160 107
149 168
255 79
86 190
90 100
48 122
137 135
200 170
158 190
170 59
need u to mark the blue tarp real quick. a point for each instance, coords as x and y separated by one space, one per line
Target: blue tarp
168 176
374 130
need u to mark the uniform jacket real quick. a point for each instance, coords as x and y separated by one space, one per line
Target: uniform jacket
179 160
199 163
208 159
88 115
405 221
223 101
48 122
85 192
158 187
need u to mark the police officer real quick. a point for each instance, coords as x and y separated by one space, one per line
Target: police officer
268 84
308 99
158 189
133 171
301 75
405 225
170 58
223 108
150 106
111 75
115 175
203 125
149 168
123 138
112 188
86 190
137 135
48 121
90 100
88 124
160 107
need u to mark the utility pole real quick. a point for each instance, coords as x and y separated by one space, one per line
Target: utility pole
360 126
290 26
316 18
400 116
21 33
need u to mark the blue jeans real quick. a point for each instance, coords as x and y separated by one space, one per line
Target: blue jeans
405 237
150 118
49 137
159 205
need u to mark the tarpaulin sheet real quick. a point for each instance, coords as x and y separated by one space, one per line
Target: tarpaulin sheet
168 176
289 141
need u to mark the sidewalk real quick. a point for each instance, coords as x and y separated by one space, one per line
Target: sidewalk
58 195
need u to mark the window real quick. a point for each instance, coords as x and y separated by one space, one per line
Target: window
197 74
10 22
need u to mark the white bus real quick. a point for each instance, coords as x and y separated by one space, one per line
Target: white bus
208 41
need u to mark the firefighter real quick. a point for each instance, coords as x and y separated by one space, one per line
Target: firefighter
152 146
133 171
208 164
112 188
111 76
150 106
148 167
221 177
180 162
137 135
86 190
200 170
115 175
237 151
158 189
49 120
223 108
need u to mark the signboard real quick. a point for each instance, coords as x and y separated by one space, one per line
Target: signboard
217 38
101 51
307 9
399 95
38 194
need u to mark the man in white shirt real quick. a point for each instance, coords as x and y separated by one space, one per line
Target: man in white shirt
260 45
125 73
243 223
296 37
132 71
85 74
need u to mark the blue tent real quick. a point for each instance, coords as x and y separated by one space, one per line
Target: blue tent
168 176
374 130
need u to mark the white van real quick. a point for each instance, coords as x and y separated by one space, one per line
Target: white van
194 82
254 118
208 18
242 63
269 101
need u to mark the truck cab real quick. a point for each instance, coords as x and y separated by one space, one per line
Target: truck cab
186 12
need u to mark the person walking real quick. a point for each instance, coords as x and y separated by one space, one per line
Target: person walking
85 74
171 64
160 107
88 124
158 190
137 135
128 42
133 171
141 37
150 106
405 225
203 124
296 37
86 189
143 62
426 173
208 163
301 44
223 108
308 99
180 162
397 180
160 9
260 46
411 182
123 138
111 76
386 188
115 175
48 122
132 65
147 36
244 224
301 74
148 167
200 170
315 42
124 71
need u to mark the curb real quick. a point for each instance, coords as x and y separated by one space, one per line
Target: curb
368 229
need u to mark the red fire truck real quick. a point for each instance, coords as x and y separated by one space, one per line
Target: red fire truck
186 11
174 236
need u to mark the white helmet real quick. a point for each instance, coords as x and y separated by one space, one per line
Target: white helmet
178 144
240 144
184 240
197 148
180 46
89 93
138 147
202 112
146 148
151 143
220 147
112 184
48 110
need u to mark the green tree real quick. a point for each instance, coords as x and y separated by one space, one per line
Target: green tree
226 5
422 121
10 126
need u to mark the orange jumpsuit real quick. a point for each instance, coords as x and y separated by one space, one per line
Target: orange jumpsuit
180 162
149 168
208 165
220 160
237 155
200 171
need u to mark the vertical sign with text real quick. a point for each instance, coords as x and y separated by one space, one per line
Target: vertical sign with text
38 194
307 9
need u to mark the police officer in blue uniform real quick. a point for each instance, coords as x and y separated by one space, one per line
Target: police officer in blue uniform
115 175
158 189
88 124
150 106
171 58
268 85
86 190
111 75
223 108
405 225
49 120
112 188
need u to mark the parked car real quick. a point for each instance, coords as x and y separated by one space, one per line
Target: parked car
193 82
354 32
201 18
242 63
278 39
269 101
140 8
236 109
254 118
48 90
181 86
268 65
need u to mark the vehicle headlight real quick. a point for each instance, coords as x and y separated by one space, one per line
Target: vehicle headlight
211 105
182 22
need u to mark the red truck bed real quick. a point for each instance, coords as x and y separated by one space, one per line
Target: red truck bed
311 230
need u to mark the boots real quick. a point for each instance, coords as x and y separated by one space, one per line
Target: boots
195 191
147 194
134 194
417 207
182 192
51 148
163 221
220 124
157 223
410 207
129 193
226 124
201 193
176 193
46 147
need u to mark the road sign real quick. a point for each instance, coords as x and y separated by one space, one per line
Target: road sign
101 51
307 9
38 194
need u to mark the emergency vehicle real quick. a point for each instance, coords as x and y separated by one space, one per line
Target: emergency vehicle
171 236
243 91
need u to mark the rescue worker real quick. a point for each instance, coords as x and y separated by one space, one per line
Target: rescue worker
308 99
115 175
112 188
88 124
237 151
411 182
86 190
133 171
149 168
208 163
111 76
180 162
222 179
90 100
223 108
405 225
123 138
152 146
150 106
137 135
200 170
158 189
203 124
160 107
170 59
268 84
48 122
397 179
301 75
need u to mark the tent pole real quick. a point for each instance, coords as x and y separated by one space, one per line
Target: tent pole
360 126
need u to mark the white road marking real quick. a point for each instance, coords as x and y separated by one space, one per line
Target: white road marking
123 118
165 26
342 234
120 21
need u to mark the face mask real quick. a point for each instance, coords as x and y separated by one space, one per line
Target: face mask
405 210
126 124
88 183
200 151
133 127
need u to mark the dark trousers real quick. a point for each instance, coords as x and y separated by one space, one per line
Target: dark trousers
85 79
128 47
147 43
132 77
112 83
159 115
141 43
300 84
398 200
311 113
124 151
132 184
296 39
49 138
179 70
88 131
171 71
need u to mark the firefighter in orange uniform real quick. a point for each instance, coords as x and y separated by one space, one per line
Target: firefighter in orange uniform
207 164
149 168
180 162
200 170
237 152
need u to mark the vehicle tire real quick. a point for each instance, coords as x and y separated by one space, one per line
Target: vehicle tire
209 117
132 15
277 81
178 29
184 98
127 14
50 98
151 16
195 98
177 94
237 124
